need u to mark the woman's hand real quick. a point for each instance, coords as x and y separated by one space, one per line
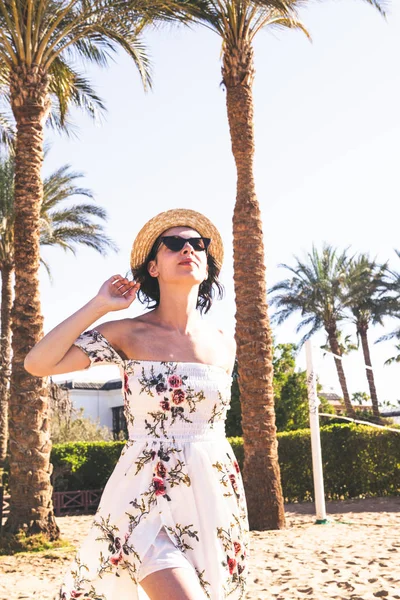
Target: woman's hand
117 293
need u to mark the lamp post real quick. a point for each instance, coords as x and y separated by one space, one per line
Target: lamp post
313 403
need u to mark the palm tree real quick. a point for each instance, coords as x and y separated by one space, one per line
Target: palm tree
237 22
38 43
65 227
316 290
369 304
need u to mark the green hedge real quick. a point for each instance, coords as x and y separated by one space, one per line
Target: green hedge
357 461
83 465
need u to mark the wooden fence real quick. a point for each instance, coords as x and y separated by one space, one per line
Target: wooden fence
83 501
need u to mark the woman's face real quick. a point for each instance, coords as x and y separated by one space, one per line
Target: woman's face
184 266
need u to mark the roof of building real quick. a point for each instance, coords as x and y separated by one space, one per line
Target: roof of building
330 396
112 384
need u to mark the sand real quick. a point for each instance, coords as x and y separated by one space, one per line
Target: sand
356 556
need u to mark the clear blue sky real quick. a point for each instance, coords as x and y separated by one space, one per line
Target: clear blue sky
327 150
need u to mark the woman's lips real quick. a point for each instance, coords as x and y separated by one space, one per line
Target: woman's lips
187 262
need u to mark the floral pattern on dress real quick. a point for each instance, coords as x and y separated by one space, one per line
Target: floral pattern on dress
118 549
174 391
235 558
175 461
163 479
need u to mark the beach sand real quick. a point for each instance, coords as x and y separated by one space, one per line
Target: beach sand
356 556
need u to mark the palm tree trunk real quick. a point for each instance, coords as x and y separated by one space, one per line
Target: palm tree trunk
335 348
31 507
362 331
5 356
261 471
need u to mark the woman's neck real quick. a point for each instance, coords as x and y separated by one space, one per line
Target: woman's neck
177 310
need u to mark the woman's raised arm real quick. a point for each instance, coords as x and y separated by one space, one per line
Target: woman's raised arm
55 353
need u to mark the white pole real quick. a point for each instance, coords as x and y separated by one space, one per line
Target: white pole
313 403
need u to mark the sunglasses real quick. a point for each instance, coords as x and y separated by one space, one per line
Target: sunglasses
176 243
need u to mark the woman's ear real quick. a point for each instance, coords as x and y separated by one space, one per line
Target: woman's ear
152 268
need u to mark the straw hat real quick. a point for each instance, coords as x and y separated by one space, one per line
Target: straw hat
177 217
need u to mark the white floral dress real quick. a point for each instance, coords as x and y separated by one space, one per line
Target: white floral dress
177 471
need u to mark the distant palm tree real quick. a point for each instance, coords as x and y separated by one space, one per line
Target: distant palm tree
66 227
316 290
367 299
237 22
39 44
393 288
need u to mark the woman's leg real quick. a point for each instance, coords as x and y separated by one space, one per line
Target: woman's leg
176 583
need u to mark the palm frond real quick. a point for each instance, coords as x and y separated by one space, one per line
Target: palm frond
135 48
368 296
78 214
60 185
394 359
71 225
68 237
47 269
275 19
7 132
395 334
308 336
69 88
7 214
97 50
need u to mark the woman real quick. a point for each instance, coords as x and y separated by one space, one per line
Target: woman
172 520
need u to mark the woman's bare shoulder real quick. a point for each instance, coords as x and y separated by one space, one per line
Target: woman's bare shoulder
229 344
119 330
229 341
226 337
122 333
224 340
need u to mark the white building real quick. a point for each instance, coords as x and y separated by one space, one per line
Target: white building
102 402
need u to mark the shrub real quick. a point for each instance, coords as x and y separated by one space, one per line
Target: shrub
75 427
83 465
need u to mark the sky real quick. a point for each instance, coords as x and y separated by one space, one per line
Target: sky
327 131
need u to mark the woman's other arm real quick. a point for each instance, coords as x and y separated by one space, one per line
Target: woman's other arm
55 353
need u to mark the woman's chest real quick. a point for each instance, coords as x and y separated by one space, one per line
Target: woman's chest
206 348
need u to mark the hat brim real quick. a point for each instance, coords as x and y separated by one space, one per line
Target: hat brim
177 217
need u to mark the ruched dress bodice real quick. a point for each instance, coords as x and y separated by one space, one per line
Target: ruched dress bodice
177 470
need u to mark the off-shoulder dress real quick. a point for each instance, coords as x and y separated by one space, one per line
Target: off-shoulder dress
176 473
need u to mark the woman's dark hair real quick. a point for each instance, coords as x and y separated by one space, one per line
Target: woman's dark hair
149 290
